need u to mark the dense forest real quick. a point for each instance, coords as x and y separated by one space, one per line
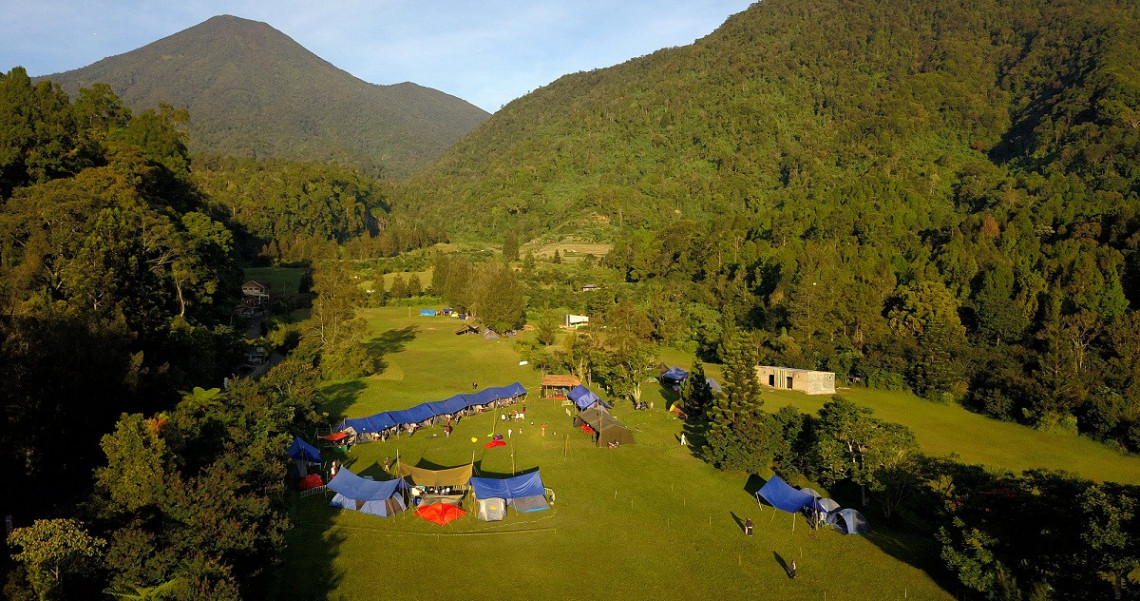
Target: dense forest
934 195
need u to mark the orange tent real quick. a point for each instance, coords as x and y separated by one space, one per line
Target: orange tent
440 513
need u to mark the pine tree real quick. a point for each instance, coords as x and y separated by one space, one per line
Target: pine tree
740 434
399 287
697 395
510 246
415 288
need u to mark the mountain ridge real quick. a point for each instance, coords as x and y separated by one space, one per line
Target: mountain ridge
253 91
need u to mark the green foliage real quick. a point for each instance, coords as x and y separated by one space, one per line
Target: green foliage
741 435
333 330
52 549
1108 515
696 394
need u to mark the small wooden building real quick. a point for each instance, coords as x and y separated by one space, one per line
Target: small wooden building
803 380
255 293
554 386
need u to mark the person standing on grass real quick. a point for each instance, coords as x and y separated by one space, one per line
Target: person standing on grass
748 526
792 570
683 441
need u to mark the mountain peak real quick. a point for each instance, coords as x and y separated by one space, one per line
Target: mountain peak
253 91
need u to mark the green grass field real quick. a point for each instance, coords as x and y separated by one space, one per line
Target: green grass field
643 521
283 281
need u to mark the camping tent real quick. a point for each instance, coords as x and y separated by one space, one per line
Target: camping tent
674 376
426 411
455 477
492 509
820 506
849 521
439 513
781 495
304 451
609 430
303 454
366 496
524 492
427 312
584 398
713 385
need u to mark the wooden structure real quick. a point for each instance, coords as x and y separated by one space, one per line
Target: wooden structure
803 380
554 386
255 293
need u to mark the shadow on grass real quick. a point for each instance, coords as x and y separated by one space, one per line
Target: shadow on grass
308 568
339 397
696 432
783 563
389 341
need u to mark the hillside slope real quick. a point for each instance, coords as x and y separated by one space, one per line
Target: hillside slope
254 92
877 108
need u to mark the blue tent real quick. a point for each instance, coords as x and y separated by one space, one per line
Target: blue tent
674 376
372 423
448 406
509 392
584 398
366 496
427 312
304 451
483 397
413 415
713 384
523 485
849 521
781 495
426 411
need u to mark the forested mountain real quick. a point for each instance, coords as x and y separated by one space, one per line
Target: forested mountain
935 195
254 92
900 115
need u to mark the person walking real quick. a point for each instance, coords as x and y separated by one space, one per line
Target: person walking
792 570
683 440
748 526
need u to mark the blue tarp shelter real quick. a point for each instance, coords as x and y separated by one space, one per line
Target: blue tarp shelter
849 521
427 312
713 384
781 495
516 487
413 415
372 423
426 411
366 496
584 398
304 451
674 376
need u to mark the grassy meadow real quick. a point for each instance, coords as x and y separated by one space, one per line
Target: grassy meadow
643 521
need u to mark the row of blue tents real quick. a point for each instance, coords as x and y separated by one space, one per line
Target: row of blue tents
781 495
425 411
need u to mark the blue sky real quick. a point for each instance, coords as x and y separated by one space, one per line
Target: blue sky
487 52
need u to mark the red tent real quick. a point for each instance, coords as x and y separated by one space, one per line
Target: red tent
440 513
334 437
311 481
